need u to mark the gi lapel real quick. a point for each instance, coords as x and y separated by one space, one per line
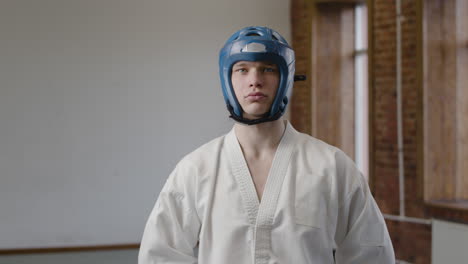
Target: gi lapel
241 172
261 214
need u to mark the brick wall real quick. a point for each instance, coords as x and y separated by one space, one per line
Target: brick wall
412 242
301 35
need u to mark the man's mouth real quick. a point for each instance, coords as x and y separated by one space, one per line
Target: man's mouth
256 96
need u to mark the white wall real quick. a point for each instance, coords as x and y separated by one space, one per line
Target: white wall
449 242
98 101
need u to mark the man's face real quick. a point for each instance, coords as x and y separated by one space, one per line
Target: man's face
255 84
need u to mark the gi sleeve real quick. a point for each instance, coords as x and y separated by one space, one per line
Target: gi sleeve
361 235
171 232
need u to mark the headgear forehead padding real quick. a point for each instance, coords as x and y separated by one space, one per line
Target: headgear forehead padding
257 44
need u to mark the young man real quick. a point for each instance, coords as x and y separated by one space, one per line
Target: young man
264 193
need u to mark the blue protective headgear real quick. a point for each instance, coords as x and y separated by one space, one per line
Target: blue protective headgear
257 44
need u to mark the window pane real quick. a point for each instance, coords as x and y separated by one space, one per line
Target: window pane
361 91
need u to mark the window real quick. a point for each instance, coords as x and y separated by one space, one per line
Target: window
340 78
361 90
445 112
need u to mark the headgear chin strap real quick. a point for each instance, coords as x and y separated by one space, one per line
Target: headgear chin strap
257 44
266 117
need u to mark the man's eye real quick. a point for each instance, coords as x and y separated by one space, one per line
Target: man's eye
241 70
269 69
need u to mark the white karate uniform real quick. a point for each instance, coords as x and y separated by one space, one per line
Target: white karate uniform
315 200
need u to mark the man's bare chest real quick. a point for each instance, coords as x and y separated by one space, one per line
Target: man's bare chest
259 171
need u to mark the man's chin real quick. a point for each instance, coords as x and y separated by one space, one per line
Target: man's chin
254 116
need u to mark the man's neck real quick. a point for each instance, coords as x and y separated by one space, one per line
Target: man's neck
256 140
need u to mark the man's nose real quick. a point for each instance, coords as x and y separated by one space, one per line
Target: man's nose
255 79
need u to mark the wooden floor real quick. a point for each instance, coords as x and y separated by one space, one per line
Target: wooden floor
128 256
